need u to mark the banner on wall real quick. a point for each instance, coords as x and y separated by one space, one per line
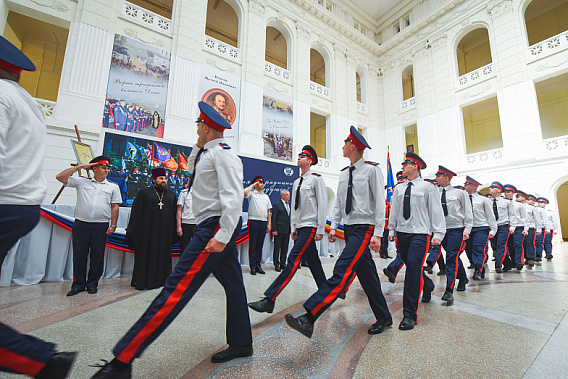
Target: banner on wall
277 125
223 92
137 88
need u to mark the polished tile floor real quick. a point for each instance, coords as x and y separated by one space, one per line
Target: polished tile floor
508 325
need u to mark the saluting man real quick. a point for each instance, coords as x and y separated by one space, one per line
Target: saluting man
308 218
360 204
216 188
505 216
259 222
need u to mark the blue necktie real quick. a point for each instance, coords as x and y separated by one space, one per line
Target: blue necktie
406 202
349 201
444 205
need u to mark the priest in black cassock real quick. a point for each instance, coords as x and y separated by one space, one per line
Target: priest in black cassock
151 232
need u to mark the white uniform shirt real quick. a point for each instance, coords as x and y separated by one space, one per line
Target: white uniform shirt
259 204
22 146
521 213
312 210
506 212
459 209
94 198
483 213
543 217
426 214
186 213
551 219
368 201
218 186
533 217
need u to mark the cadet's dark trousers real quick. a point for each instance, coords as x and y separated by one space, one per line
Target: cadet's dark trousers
413 249
476 245
539 242
516 249
397 263
435 256
501 240
303 246
89 240
355 259
187 230
385 243
529 245
19 353
548 243
281 241
257 231
194 266
453 244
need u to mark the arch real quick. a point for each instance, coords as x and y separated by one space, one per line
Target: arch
556 206
543 19
224 21
361 82
472 49
407 82
279 50
320 66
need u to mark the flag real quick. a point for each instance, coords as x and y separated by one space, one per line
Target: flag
160 153
390 180
182 162
170 164
132 152
148 152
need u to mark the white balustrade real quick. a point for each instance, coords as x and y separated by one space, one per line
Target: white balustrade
46 106
277 71
476 76
408 104
554 147
548 47
484 157
320 90
146 17
362 107
222 48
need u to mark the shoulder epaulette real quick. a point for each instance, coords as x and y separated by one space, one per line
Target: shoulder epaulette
316 174
344 168
373 163
225 146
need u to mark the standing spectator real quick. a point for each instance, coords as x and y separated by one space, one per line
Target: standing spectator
281 231
259 221
185 220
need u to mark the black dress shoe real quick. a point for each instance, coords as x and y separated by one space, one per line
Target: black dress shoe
519 266
441 272
498 270
341 295
462 283
300 324
538 259
58 365
477 275
113 370
549 256
263 305
75 291
253 271
304 264
260 270
471 266
448 296
379 326
426 296
428 268
231 353
93 290
277 269
482 274
530 263
389 274
407 323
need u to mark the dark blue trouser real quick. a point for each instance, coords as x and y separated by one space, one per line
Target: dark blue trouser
502 237
396 264
516 249
539 242
529 245
19 353
453 244
257 232
384 243
413 249
476 245
435 256
548 243
303 246
89 241
355 259
194 266
281 241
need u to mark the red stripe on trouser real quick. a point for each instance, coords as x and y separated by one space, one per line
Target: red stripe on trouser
523 251
534 244
19 363
422 272
347 274
349 285
505 250
296 264
250 262
130 350
485 256
462 246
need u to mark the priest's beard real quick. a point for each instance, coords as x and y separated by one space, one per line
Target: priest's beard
161 186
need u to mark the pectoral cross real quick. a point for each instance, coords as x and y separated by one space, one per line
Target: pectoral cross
160 204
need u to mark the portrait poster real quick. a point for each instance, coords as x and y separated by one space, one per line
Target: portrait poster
137 88
133 158
277 125
83 152
223 92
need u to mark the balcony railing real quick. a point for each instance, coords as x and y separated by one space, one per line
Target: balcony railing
408 104
548 47
554 147
277 71
46 106
146 17
476 76
222 48
489 156
320 90
362 107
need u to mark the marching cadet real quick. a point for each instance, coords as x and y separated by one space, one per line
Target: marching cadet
416 213
308 219
391 271
459 221
543 202
545 228
516 249
360 204
504 212
484 227
535 226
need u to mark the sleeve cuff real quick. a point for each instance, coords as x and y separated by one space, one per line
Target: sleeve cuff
222 236
439 236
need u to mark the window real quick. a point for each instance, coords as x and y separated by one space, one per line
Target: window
222 22
317 67
408 83
473 51
545 19
411 134
161 7
318 135
276 47
552 96
482 126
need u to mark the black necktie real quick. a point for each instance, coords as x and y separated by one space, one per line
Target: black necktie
287 207
495 209
349 201
444 205
195 165
297 202
406 202
471 200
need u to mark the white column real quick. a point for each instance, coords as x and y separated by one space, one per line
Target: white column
3 15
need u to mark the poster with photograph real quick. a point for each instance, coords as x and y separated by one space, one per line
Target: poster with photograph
137 88
223 92
277 125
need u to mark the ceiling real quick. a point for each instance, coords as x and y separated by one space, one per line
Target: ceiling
377 9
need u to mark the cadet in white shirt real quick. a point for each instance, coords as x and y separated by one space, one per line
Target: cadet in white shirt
516 249
259 222
535 227
216 188
545 228
185 220
504 212
484 227
417 219
308 218
360 204
543 202
98 200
